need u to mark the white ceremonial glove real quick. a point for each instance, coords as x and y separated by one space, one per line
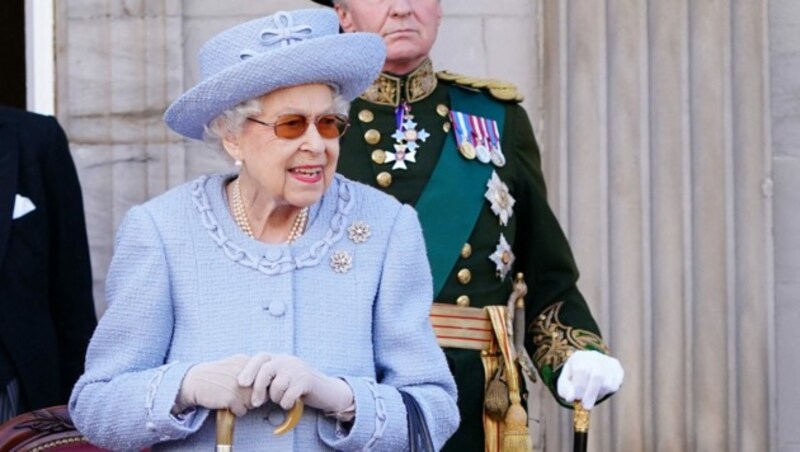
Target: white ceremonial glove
288 378
589 376
213 385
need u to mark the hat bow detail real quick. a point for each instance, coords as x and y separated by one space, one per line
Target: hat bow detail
284 33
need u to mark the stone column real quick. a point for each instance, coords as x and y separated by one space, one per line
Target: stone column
654 121
785 99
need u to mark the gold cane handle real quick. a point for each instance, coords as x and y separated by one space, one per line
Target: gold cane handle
226 421
581 420
292 418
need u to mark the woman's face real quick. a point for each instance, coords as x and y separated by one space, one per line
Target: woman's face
288 171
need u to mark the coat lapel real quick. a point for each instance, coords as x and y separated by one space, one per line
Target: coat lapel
8 180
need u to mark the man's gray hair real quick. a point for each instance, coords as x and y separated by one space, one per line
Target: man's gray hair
231 121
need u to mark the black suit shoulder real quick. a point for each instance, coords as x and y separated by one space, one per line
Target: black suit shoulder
35 132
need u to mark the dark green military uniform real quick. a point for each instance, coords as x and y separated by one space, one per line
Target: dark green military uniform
538 244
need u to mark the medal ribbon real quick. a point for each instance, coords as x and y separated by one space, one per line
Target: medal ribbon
453 198
477 131
494 137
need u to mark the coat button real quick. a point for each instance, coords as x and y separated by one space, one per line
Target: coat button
379 156
464 276
273 254
462 301
384 179
442 110
366 115
446 127
372 136
277 308
276 417
466 250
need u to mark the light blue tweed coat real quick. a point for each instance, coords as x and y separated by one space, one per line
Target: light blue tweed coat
187 286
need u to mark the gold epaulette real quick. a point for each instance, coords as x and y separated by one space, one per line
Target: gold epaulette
498 89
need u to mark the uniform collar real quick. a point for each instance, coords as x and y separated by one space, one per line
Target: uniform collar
391 90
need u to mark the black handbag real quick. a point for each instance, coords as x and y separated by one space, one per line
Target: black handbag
419 437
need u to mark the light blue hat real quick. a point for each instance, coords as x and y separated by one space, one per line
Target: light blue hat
278 51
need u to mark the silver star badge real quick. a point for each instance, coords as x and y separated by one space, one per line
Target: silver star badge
503 258
501 201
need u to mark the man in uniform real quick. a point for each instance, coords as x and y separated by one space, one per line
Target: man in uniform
462 151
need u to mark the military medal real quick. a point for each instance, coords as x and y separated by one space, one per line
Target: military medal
498 159
499 198
481 148
482 153
463 131
477 137
503 258
400 156
405 136
496 154
467 150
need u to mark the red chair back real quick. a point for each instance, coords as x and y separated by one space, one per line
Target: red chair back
44 430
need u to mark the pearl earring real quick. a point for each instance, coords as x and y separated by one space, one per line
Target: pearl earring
238 163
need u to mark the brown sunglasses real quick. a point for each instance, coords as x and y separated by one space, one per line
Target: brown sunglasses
294 126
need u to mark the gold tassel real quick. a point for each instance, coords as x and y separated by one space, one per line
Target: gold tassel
496 399
516 437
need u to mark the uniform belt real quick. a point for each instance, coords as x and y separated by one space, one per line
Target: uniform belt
458 327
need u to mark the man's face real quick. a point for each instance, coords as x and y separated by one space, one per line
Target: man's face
408 27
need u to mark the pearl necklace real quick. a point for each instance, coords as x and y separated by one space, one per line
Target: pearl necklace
240 216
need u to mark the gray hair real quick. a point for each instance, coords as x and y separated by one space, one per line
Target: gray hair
231 121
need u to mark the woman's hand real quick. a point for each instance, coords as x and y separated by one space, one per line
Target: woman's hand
589 376
213 385
287 378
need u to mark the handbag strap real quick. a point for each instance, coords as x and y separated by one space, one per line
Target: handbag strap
419 437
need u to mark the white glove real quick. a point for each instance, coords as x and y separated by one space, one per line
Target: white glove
213 385
287 378
589 376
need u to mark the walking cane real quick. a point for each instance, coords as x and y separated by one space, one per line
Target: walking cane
226 421
580 422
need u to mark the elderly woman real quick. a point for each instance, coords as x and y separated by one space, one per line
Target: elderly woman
279 284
